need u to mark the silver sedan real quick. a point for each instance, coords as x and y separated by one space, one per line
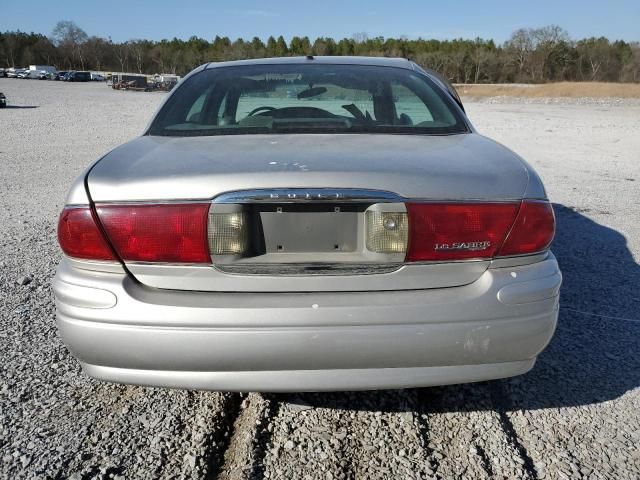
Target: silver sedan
309 223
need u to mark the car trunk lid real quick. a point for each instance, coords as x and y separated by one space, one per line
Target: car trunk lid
310 195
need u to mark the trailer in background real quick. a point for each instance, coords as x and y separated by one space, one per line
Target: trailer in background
123 81
165 81
44 68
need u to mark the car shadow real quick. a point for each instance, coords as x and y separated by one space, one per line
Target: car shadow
593 357
21 106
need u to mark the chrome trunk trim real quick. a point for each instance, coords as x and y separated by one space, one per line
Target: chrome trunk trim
295 195
308 269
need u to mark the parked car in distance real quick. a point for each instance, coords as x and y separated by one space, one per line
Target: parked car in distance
3 100
33 74
359 234
22 74
14 72
60 75
96 77
79 77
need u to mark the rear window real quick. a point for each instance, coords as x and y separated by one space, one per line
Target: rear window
307 98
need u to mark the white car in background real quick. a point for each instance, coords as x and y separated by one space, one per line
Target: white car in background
32 74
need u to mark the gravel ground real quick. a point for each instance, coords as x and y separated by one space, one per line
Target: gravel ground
576 415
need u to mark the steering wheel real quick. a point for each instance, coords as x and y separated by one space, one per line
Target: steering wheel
259 109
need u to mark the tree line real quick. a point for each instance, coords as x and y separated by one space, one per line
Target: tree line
531 55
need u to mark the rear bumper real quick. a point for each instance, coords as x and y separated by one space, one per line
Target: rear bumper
312 380
124 332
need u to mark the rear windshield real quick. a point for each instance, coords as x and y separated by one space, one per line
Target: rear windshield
307 98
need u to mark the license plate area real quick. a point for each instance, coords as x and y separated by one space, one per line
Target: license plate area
291 228
287 238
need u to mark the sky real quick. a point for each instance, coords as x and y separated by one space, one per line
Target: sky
154 20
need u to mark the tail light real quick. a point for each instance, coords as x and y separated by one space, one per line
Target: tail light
460 231
147 233
457 231
171 233
533 230
191 233
80 237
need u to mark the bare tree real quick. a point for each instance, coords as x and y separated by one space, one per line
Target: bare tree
598 55
11 44
519 48
121 52
480 57
546 40
98 52
631 71
136 47
457 62
157 57
68 36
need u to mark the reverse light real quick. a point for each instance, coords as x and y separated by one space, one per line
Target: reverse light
228 233
387 232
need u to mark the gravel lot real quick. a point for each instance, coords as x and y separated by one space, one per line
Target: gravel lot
576 415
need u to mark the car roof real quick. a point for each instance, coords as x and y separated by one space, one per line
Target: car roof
326 60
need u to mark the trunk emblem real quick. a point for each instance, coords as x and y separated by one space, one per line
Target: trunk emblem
307 196
467 246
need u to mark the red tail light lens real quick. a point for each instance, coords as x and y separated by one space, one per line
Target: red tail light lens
533 230
457 231
80 237
448 231
158 233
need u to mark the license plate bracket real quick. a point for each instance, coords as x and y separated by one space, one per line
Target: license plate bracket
310 231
